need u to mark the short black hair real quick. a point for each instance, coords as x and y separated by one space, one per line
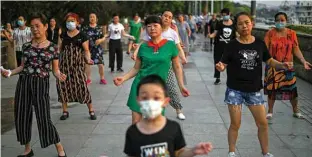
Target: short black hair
153 79
153 19
280 13
115 14
226 11
39 16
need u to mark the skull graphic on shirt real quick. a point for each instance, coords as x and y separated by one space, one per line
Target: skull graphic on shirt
227 32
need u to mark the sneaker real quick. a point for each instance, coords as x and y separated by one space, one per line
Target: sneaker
231 154
298 115
181 116
269 116
89 82
112 70
103 81
217 82
128 53
268 155
120 70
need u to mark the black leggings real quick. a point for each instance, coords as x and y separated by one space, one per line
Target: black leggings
217 55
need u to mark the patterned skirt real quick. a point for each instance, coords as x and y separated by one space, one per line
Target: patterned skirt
280 84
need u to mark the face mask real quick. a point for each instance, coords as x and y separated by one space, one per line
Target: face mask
150 109
20 23
70 25
280 25
227 17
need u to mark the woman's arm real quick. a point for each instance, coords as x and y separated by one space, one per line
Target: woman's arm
178 71
17 70
299 55
133 72
181 53
126 35
85 46
56 71
213 35
276 64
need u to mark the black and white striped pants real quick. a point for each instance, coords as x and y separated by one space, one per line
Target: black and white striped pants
175 101
34 91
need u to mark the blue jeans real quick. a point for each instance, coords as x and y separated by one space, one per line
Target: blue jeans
234 97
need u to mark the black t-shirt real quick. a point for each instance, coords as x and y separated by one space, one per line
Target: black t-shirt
213 24
73 42
244 65
163 143
225 33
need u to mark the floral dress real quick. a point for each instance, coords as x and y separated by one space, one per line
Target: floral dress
280 84
93 34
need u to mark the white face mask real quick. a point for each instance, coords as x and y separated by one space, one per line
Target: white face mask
150 109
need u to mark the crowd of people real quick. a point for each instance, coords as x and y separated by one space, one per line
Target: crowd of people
160 46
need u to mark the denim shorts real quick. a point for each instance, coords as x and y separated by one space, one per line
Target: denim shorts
234 97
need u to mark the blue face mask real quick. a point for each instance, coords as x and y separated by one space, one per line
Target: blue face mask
20 23
227 17
71 25
280 25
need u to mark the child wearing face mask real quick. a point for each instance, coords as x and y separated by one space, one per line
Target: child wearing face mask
155 135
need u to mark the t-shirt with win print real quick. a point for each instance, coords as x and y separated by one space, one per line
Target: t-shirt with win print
21 37
163 143
37 61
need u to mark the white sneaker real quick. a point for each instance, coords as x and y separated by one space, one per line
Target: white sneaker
268 155
181 116
231 154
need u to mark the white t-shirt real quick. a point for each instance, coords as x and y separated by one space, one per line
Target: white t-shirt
21 37
115 31
169 34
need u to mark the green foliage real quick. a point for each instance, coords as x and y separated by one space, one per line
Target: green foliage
301 28
10 10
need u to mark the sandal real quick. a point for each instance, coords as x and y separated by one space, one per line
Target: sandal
92 116
65 115
298 115
269 116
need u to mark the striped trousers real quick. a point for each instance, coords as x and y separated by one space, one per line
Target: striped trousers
175 101
32 91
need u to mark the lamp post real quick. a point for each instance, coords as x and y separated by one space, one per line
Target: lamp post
253 10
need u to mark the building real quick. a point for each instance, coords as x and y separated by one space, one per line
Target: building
304 12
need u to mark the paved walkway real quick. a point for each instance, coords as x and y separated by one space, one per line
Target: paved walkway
207 118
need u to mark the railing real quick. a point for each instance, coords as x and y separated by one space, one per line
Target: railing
8 55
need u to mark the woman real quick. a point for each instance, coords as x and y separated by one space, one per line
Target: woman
193 28
74 55
184 33
53 31
224 32
32 88
21 35
154 57
135 30
96 37
8 29
281 84
243 59
170 34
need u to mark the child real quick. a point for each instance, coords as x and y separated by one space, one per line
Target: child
155 135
